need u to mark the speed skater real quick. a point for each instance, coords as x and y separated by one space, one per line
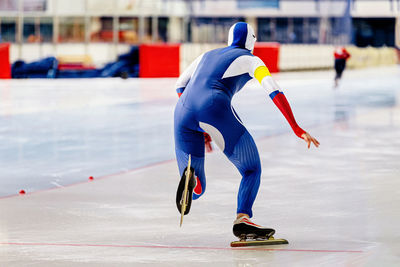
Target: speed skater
204 109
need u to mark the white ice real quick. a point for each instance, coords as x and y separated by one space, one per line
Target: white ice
336 205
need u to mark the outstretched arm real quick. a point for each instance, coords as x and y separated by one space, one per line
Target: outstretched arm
262 74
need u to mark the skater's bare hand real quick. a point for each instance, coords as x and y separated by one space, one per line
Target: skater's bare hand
309 139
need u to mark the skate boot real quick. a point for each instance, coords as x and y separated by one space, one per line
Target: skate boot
244 229
181 188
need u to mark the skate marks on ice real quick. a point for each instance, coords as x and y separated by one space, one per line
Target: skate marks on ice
336 205
125 220
131 255
96 127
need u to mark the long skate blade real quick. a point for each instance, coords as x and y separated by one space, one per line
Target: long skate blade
185 191
252 243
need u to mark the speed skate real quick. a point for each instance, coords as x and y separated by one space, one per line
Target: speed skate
251 234
185 191
245 242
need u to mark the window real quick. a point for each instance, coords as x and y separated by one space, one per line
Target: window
163 29
46 29
374 32
101 29
72 29
282 30
211 30
8 29
128 30
313 30
296 35
266 29
30 32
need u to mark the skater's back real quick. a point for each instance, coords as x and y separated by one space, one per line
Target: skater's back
225 70
215 71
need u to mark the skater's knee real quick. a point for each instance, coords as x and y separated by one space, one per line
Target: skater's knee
252 173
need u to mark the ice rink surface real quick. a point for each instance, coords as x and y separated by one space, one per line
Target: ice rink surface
338 205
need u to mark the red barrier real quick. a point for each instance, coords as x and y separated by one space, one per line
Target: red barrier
159 60
269 54
5 69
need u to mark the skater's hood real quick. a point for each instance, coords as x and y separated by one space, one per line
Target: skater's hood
242 35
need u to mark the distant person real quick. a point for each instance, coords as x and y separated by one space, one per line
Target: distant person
206 89
341 55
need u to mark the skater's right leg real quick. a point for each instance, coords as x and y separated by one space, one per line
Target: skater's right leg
246 159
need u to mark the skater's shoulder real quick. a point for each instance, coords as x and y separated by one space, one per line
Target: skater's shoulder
225 56
230 51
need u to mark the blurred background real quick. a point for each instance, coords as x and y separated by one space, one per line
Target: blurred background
116 121
87 34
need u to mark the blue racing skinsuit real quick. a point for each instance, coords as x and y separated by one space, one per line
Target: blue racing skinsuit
206 89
